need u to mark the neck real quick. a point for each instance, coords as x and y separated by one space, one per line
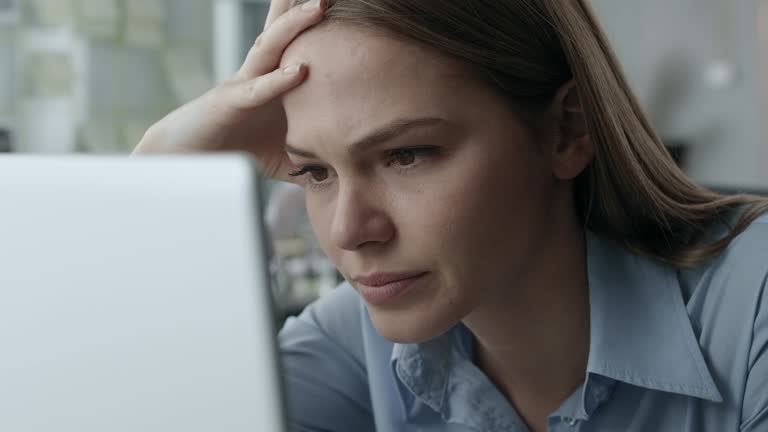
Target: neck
533 337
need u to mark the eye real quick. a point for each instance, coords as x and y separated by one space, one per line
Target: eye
407 157
403 157
318 174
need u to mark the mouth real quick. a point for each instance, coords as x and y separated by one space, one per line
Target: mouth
381 288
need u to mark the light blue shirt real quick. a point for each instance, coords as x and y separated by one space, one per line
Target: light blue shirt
670 350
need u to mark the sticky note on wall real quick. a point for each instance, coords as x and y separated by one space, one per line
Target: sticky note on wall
144 33
145 23
99 19
146 10
52 12
48 75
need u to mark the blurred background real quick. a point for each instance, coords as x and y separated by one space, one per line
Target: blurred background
92 75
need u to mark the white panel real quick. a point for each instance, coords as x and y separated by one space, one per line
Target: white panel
134 297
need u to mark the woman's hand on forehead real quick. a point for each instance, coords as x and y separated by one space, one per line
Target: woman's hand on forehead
276 9
244 113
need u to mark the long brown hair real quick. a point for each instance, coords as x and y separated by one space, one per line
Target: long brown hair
632 192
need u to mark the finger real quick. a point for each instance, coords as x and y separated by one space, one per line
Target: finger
263 89
276 8
264 56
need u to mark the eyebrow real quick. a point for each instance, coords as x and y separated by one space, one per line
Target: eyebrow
386 133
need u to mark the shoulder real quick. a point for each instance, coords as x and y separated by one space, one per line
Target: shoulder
743 263
749 255
725 295
753 238
335 319
726 292
745 259
323 365
725 301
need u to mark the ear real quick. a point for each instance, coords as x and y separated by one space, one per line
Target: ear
572 150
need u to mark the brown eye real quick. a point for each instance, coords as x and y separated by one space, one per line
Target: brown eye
403 157
319 174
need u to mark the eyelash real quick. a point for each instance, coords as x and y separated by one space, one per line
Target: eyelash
302 171
390 160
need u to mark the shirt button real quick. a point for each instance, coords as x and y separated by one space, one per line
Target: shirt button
570 421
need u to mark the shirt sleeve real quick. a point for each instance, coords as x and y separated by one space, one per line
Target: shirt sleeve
325 374
755 408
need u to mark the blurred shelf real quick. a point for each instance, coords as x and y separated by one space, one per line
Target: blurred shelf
7 122
9 12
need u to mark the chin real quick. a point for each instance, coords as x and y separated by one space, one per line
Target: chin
410 326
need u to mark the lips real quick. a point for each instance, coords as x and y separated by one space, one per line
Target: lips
381 288
381 279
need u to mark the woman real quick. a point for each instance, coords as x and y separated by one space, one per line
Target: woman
520 250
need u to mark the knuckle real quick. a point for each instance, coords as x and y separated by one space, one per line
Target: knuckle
292 12
283 5
259 41
258 46
257 90
217 96
263 45
216 92
252 90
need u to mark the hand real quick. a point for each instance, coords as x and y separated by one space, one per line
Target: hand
244 113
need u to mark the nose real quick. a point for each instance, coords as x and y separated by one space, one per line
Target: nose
360 219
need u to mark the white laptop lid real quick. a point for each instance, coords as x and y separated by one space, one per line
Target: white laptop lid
134 296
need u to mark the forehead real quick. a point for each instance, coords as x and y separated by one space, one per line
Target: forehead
359 79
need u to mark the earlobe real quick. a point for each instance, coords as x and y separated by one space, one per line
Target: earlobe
573 150
573 158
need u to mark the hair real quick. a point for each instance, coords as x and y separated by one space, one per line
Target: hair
632 191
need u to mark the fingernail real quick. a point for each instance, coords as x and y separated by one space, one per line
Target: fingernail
311 5
292 69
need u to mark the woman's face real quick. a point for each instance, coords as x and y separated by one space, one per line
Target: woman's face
414 170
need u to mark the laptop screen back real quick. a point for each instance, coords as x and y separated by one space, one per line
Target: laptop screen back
134 296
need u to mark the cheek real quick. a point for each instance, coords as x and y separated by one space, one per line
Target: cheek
480 218
479 201
320 214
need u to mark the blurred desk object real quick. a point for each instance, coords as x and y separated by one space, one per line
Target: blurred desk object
6 146
301 272
678 150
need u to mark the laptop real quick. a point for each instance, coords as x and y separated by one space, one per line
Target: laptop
134 296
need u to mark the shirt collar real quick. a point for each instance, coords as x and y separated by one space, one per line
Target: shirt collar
640 331
640 334
438 376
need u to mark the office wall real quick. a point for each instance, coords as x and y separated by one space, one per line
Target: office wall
130 87
695 66
669 49
94 74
